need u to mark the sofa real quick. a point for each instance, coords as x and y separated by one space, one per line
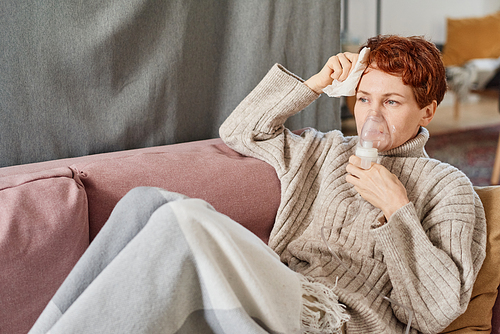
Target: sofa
51 211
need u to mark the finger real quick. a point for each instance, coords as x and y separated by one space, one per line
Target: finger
364 187
347 61
352 179
358 173
360 187
349 178
353 58
346 66
335 65
355 160
353 170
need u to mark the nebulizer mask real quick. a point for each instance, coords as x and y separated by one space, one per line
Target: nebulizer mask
374 137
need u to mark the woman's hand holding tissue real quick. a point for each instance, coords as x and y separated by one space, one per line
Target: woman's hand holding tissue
377 185
337 67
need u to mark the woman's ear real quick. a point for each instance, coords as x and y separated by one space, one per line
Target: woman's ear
428 113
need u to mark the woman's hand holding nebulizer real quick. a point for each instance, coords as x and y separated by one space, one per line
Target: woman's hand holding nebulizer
374 137
377 185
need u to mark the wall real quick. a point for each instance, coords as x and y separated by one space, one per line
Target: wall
411 17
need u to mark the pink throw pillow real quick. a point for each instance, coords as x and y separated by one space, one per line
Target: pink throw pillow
43 233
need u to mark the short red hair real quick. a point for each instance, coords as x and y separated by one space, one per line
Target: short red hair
416 60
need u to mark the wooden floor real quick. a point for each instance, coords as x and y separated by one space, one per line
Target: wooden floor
479 111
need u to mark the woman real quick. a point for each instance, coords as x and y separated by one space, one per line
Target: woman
404 238
409 228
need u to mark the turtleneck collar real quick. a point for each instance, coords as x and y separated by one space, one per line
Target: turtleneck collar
412 148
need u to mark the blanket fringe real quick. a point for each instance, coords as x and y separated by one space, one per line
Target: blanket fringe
321 310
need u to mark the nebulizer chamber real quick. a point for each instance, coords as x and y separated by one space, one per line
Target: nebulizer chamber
374 137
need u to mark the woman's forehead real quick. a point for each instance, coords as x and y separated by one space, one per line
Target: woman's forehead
377 81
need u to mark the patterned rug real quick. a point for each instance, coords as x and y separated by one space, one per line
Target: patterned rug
472 151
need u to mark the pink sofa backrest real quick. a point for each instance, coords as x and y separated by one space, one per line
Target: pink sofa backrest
245 189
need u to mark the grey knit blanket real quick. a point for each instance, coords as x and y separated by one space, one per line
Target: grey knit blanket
164 263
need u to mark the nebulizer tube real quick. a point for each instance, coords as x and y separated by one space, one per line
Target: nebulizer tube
390 300
374 137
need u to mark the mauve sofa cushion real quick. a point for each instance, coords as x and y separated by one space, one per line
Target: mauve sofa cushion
243 188
43 233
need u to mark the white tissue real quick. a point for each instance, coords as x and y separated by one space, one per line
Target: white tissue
348 86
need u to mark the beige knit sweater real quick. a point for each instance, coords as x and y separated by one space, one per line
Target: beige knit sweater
426 257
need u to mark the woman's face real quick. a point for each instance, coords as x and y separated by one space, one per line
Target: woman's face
386 95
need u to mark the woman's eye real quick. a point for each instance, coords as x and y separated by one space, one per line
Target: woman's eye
392 102
362 99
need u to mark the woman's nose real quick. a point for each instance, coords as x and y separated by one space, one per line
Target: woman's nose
375 111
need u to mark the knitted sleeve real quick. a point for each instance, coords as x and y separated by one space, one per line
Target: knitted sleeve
433 254
255 128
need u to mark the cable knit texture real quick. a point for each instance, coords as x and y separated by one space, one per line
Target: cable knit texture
426 257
